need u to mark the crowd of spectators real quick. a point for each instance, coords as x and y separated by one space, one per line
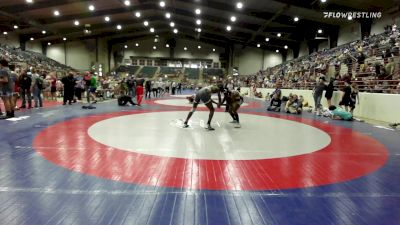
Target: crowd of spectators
373 64
33 59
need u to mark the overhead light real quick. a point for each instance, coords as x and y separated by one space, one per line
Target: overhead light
175 31
5 32
154 47
286 47
137 44
56 12
64 39
185 48
277 51
43 32
167 45
152 30
172 24
156 39
319 31
198 22
296 19
198 11
266 39
91 7
127 3
228 28
213 49
199 47
145 23
233 18
278 34
258 45
15 26
239 5
350 17
119 27
323 1
32 39
138 14
48 43
76 22
162 4
29 1
126 46
107 19
168 15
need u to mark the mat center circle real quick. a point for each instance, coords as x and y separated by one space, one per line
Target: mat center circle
160 134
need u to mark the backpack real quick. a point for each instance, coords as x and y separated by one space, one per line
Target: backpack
39 83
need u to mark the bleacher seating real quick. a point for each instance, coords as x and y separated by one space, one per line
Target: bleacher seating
148 71
34 59
192 73
211 72
169 70
127 69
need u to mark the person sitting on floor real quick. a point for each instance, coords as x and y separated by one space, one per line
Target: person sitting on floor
123 100
275 104
340 114
293 105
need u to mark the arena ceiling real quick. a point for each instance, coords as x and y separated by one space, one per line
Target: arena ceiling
256 21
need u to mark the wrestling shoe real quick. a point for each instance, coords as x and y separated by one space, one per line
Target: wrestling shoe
233 121
209 128
185 125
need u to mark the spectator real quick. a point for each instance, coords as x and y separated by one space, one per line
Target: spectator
53 86
275 104
329 91
317 94
36 89
293 105
6 89
16 88
69 85
25 83
346 97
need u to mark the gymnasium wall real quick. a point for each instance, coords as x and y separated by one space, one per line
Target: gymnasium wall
303 49
380 107
80 55
323 45
378 26
251 60
11 39
34 46
349 33
145 49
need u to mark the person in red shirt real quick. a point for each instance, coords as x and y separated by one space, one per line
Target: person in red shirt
53 86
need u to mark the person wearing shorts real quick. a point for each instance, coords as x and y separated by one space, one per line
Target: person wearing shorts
93 87
204 96
346 98
6 88
236 100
